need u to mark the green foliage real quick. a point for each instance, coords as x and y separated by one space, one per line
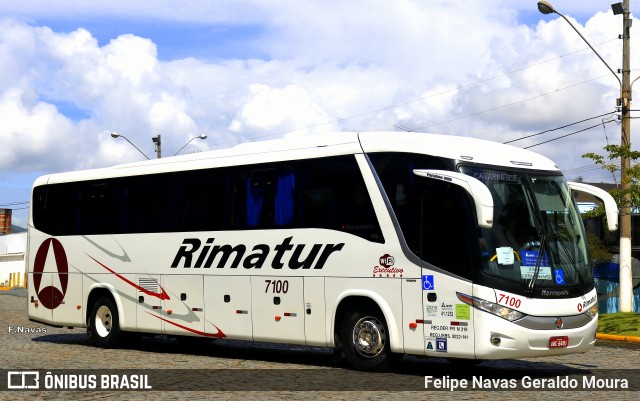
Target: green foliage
621 323
629 197
597 250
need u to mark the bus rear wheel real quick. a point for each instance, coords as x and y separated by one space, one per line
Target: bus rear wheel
365 341
104 327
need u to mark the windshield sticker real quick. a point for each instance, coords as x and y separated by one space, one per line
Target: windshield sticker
526 272
559 276
505 255
529 258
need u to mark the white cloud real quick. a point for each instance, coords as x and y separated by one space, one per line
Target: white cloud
278 110
329 66
32 132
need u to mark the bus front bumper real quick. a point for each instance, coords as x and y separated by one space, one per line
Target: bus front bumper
497 338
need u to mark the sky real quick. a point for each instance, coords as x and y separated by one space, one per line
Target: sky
71 72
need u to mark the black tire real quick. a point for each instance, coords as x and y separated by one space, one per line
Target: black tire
104 326
365 341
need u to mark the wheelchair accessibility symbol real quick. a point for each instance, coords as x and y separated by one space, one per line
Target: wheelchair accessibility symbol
559 275
427 283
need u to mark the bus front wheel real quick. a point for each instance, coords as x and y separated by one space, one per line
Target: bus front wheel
365 341
104 327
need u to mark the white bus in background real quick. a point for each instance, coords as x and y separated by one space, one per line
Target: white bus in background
379 244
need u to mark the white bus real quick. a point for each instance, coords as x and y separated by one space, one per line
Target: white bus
378 244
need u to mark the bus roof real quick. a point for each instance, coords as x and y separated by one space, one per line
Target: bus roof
323 145
458 148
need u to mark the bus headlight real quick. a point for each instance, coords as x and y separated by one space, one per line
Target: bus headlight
491 307
593 311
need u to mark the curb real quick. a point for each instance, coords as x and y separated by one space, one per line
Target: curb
614 337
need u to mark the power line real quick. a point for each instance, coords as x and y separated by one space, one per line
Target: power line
510 104
564 136
582 169
14 203
337 120
555 129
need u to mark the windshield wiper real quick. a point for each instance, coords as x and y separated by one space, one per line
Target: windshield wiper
543 243
536 271
572 261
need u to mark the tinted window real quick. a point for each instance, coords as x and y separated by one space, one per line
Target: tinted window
436 218
334 196
202 200
147 203
317 193
97 209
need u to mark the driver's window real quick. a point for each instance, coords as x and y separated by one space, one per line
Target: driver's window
449 231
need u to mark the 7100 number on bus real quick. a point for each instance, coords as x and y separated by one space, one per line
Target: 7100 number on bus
277 286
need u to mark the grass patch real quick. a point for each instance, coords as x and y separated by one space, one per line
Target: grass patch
621 323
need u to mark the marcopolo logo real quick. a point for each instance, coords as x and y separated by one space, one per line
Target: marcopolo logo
51 297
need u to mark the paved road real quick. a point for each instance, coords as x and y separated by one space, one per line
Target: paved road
276 372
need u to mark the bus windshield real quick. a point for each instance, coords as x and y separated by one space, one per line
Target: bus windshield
537 240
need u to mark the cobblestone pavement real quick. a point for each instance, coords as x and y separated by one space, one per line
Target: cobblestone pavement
68 349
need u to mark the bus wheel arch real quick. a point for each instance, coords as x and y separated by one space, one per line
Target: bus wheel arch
362 332
103 319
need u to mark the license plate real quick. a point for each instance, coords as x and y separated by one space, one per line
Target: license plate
559 342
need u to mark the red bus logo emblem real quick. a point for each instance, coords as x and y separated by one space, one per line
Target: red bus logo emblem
51 297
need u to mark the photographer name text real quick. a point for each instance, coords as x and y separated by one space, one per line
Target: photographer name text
526 382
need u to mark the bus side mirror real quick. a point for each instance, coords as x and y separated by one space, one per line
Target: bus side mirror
479 192
610 206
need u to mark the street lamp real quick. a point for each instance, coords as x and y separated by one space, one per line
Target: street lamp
626 285
116 135
546 8
203 136
158 143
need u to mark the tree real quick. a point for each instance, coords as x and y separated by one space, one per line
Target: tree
627 200
632 175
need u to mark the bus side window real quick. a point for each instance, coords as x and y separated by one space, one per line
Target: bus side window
54 209
147 203
260 197
270 196
284 197
201 200
334 196
98 208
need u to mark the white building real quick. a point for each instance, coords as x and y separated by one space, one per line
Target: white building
12 261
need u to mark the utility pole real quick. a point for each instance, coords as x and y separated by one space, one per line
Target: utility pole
626 276
158 143
624 102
